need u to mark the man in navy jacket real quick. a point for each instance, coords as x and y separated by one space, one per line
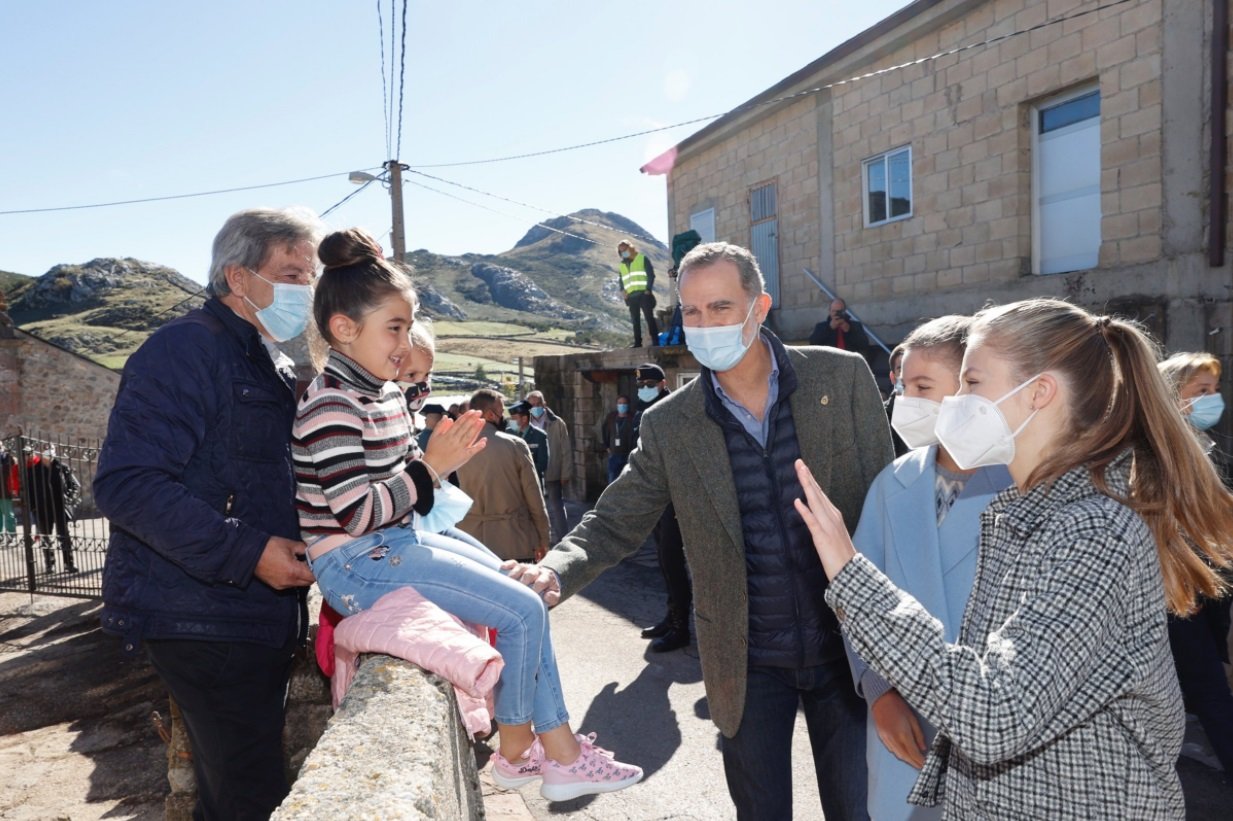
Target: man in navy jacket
205 568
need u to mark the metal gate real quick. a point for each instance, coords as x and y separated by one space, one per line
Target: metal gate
52 538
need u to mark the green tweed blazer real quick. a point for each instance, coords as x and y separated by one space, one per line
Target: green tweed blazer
682 458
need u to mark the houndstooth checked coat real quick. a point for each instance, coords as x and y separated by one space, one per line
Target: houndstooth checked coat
1059 699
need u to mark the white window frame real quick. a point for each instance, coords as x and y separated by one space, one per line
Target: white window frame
1034 125
683 378
704 213
884 158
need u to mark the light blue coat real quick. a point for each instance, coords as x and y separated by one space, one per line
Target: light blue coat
898 532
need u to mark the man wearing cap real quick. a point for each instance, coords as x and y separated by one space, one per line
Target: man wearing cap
672 631
432 413
637 278
616 436
722 451
507 512
535 438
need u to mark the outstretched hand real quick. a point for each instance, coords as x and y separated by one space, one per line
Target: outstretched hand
825 523
540 579
454 442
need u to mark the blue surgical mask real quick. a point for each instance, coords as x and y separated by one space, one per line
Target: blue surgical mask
287 316
537 411
622 407
449 506
647 394
720 347
1205 411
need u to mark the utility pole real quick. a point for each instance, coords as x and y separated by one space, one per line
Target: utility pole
398 233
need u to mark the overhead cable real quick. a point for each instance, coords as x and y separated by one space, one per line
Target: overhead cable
495 211
178 196
776 100
385 114
570 217
402 73
349 196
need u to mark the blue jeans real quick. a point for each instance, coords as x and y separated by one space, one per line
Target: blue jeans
616 464
758 759
465 580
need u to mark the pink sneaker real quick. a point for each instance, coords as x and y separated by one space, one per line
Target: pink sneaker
510 775
594 771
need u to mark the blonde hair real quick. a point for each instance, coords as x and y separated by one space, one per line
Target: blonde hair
1180 368
422 336
1118 401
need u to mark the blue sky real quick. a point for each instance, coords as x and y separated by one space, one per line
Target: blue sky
128 99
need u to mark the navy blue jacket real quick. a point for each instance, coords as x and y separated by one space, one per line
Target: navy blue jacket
195 476
790 624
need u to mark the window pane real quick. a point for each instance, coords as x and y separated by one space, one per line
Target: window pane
1070 112
876 179
900 184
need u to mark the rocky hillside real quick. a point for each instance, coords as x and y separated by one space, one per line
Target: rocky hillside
550 280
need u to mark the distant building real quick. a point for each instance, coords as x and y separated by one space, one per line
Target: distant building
1033 165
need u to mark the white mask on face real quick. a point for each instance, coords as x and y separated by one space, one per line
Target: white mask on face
914 420
720 347
975 433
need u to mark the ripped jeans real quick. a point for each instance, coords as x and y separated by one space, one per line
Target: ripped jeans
464 579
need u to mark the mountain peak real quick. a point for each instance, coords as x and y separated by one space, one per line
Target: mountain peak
591 223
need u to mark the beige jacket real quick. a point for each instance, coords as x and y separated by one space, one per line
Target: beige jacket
560 451
508 514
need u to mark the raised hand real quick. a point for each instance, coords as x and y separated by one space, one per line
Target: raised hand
825 523
454 442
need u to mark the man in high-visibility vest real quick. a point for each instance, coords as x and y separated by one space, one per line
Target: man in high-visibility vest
637 281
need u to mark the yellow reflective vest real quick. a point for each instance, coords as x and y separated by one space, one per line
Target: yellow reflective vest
633 275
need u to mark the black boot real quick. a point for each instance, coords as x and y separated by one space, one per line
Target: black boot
676 638
655 631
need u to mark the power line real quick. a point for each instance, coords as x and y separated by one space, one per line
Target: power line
402 73
776 100
390 119
338 204
570 217
176 196
384 94
495 211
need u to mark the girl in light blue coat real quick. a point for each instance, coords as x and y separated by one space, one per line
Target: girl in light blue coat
920 526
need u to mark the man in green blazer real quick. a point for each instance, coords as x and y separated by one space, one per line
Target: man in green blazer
722 451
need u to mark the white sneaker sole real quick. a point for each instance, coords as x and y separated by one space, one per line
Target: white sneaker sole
507 783
577 789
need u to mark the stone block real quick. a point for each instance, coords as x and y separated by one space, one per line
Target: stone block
1115 53
1139 249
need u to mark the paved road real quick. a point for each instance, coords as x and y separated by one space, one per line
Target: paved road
651 710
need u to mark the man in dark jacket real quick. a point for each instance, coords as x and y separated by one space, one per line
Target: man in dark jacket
841 331
672 632
722 451
205 566
535 438
617 437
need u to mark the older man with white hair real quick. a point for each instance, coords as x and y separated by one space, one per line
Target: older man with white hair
205 567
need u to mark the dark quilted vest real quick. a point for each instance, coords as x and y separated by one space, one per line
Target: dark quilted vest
790 624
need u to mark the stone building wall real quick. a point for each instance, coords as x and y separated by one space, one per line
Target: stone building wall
49 391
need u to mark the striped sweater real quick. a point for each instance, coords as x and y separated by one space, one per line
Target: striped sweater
357 466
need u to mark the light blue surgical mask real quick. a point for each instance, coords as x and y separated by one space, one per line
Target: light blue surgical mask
537 411
720 347
622 407
287 316
1206 410
647 394
449 506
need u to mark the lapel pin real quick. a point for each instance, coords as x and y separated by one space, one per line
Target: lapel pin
826 400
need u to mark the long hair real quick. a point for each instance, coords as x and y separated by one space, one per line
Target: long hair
1119 401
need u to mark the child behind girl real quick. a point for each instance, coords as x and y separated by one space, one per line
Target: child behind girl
920 526
359 479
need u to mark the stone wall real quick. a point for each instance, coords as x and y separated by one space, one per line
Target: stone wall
396 748
45 389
